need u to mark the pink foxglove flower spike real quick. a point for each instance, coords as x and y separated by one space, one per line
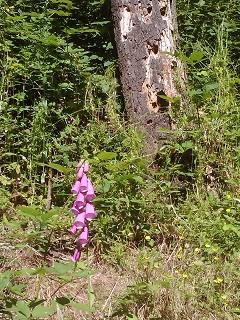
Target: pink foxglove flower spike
82 208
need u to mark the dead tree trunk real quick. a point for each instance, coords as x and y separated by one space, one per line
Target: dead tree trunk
144 33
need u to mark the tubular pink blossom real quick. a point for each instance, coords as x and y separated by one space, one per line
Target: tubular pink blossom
83 237
90 192
84 183
75 209
80 173
80 163
86 167
75 189
80 201
80 220
77 255
73 230
90 211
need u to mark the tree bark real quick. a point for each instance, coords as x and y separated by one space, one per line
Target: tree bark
143 34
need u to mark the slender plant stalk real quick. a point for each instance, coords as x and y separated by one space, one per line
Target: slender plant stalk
89 288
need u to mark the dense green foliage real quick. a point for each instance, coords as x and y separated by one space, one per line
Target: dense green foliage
60 101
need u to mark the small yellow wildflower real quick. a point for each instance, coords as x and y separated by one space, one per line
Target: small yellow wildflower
216 258
229 196
218 280
181 237
148 238
197 250
179 255
185 276
224 297
177 271
207 245
228 210
214 249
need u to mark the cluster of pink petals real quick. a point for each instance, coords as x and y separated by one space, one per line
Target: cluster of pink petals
83 207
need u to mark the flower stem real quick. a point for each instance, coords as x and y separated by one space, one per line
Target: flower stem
90 293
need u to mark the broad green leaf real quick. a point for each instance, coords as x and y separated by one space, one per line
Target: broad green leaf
106 187
165 284
63 268
42 311
122 165
125 177
49 214
55 166
185 58
35 303
59 167
195 92
215 115
108 63
187 145
141 163
4 283
63 301
81 306
196 56
211 86
32 271
165 97
138 179
29 211
23 308
107 155
18 288
237 310
154 287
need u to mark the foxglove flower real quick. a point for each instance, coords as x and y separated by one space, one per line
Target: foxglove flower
75 209
77 255
80 220
80 173
73 230
84 183
80 202
86 167
90 192
90 211
83 237
75 189
82 208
